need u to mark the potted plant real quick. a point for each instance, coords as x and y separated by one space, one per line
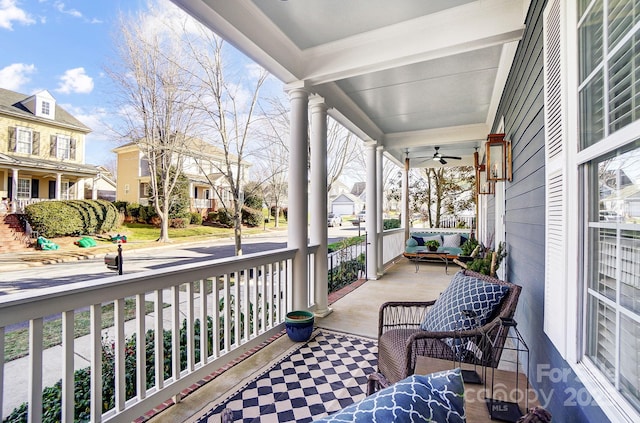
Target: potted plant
488 264
299 325
467 249
432 245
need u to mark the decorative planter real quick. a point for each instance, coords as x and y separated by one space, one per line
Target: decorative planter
299 325
465 259
433 248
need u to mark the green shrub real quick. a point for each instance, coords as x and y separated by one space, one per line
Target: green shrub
146 213
178 222
133 211
390 223
225 218
196 218
71 218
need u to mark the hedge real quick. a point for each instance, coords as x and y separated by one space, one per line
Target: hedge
71 218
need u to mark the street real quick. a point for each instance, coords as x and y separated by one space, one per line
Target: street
146 259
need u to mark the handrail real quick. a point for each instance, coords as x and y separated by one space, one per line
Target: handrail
252 291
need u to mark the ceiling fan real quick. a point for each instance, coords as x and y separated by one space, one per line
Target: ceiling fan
440 158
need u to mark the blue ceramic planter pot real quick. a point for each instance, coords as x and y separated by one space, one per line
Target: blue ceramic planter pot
299 325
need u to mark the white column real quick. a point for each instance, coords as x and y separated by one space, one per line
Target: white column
94 188
379 209
80 189
58 186
405 199
298 196
372 215
318 203
14 191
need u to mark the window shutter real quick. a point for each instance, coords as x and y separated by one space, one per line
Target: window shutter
53 146
555 288
35 147
12 139
72 152
35 188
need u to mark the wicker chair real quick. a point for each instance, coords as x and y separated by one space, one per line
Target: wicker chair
400 339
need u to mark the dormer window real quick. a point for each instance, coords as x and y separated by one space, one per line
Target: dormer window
46 108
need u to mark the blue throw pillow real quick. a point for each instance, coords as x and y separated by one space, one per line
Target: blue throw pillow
419 240
438 397
463 293
412 242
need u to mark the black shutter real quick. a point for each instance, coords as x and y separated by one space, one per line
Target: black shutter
35 188
35 147
72 153
12 139
53 146
10 181
195 192
52 190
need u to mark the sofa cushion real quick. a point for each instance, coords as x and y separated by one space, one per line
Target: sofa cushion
463 293
438 397
412 242
452 240
433 238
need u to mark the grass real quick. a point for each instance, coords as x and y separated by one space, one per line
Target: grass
17 342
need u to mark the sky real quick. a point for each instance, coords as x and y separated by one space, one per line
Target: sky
64 47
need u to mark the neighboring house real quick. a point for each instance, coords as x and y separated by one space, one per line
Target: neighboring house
42 149
102 187
208 188
346 204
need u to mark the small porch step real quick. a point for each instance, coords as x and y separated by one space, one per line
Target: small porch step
12 235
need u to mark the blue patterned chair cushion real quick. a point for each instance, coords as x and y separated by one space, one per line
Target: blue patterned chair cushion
438 397
463 293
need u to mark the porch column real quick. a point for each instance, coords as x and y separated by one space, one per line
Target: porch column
14 191
405 199
380 209
318 203
298 196
58 186
80 189
94 188
372 212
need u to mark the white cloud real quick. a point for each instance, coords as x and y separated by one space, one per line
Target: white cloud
75 81
10 13
73 12
16 75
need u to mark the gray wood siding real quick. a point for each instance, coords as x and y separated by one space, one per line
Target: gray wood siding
522 106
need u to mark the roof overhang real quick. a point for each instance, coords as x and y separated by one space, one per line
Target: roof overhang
408 75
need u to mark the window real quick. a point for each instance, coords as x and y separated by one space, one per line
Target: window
24 188
24 138
65 188
609 67
613 293
46 108
609 100
63 147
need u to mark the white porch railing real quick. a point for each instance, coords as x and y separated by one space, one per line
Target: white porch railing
243 299
392 244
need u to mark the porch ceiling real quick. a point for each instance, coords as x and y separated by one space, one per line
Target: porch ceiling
409 74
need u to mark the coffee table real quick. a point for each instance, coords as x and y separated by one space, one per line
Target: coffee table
426 255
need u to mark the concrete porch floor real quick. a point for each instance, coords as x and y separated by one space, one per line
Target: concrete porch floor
356 313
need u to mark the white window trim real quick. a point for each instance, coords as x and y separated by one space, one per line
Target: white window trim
613 404
63 153
28 197
23 129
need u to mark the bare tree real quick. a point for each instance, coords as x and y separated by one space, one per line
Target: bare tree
229 105
156 98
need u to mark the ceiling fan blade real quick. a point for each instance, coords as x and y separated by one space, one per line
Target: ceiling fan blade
443 161
451 157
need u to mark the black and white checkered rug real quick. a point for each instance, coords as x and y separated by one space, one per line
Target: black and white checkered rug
324 375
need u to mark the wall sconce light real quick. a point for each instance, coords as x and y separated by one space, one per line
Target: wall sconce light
484 186
498 158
